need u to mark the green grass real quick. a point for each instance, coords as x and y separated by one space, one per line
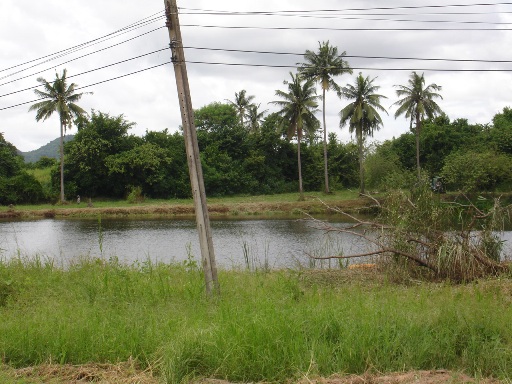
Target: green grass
264 327
278 198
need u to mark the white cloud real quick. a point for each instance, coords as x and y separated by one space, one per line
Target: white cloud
34 29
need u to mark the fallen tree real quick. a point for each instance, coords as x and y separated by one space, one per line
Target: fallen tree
457 240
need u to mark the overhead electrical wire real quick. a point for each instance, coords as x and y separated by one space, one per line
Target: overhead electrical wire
151 19
139 24
391 20
351 56
93 84
80 57
365 9
341 29
89 71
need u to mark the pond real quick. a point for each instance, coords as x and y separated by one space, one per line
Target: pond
255 244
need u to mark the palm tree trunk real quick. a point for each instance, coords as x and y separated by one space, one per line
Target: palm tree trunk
418 127
62 198
301 191
361 168
326 173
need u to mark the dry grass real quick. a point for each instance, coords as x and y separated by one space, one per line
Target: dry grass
126 373
122 373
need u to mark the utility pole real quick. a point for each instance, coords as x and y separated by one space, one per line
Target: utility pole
192 148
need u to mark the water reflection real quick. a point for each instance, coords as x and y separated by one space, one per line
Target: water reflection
238 243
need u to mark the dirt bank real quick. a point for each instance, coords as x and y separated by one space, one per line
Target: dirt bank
310 206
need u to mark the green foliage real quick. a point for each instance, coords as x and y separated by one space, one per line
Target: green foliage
440 138
98 138
20 189
384 171
471 171
10 161
45 162
135 195
501 133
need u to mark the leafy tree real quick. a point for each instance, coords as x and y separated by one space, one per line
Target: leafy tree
61 98
16 185
174 180
417 103
361 114
298 107
322 67
223 144
98 138
472 171
440 137
242 103
501 132
10 161
139 166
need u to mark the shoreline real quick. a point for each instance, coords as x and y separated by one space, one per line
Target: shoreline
232 210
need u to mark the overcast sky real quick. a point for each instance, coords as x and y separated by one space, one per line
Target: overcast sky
32 30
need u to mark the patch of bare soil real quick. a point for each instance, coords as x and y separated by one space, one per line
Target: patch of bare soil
414 377
420 377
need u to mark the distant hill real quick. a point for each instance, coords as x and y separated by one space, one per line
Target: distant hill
49 150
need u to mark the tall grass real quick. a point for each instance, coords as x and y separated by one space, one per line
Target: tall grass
268 326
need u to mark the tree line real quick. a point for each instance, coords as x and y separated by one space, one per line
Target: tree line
245 152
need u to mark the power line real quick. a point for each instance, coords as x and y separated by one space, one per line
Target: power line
91 70
343 29
353 56
363 18
355 68
93 84
365 9
136 25
80 57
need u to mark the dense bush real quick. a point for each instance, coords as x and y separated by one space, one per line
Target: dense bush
477 171
20 189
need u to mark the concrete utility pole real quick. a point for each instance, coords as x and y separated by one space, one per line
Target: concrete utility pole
194 163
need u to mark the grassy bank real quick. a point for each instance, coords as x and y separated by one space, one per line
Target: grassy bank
264 205
265 326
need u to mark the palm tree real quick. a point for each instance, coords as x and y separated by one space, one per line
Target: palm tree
61 98
242 103
254 117
322 67
361 114
416 104
298 108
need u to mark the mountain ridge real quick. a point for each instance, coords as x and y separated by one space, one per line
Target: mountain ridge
50 150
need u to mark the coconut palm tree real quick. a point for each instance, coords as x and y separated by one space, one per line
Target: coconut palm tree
242 103
322 67
59 97
298 108
254 117
417 103
361 114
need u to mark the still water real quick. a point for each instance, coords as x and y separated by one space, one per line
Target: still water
238 243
